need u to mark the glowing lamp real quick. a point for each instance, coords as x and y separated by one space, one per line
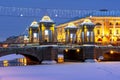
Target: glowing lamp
111 52
66 50
78 50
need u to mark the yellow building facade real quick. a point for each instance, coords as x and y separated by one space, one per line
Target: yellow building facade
106 30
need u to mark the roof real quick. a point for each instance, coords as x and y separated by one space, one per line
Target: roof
46 19
87 22
71 25
34 24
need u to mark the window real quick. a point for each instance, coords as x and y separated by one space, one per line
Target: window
98 31
117 23
110 31
98 24
117 31
111 24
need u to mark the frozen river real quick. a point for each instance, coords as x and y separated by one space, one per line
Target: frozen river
64 71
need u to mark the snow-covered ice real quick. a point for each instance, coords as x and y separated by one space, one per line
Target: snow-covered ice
65 71
11 57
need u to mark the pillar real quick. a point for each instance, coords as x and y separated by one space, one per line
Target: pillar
67 36
30 35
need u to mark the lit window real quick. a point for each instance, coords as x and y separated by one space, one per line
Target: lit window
46 32
71 35
88 33
35 35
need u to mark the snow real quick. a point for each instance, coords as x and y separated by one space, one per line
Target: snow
66 71
71 25
49 62
11 57
34 24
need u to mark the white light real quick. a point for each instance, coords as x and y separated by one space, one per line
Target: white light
88 33
90 16
21 15
56 15
35 35
46 32
71 35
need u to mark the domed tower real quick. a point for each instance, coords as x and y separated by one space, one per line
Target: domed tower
71 31
33 32
46 29
87 35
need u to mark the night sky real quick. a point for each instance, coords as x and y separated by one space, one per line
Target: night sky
10 26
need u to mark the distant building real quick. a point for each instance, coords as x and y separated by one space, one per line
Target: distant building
15 39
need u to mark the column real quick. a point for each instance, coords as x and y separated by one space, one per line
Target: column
74 37
50 35
85 35
43 33
52 32
67 36
30 34
82 36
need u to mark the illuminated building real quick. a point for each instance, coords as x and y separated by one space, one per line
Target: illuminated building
105 27
46 29
101 27
42 31
33 32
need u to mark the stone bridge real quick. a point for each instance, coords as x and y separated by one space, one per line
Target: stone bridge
90 51
101 50
35 53
50 52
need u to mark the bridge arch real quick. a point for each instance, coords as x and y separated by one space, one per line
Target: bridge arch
30 57
111 55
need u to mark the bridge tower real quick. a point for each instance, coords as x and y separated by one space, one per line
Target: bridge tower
87 35
46 30
33 32
71 33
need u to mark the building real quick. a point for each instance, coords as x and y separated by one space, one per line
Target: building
42 31
106 30
100 27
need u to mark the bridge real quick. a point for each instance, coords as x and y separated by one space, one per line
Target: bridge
51 52
33 53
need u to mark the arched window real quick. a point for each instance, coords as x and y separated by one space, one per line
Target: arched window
99 39
111 23
98 24
117 23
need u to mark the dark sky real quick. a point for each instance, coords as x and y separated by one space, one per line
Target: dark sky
10 26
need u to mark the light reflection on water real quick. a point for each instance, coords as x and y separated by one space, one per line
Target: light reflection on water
15 62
